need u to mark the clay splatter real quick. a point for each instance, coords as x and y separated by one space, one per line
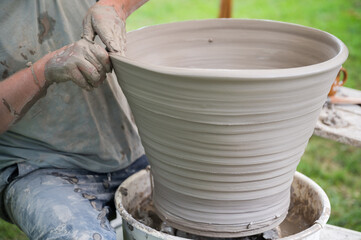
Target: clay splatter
5 74
32 52
24 56
4 64
46 27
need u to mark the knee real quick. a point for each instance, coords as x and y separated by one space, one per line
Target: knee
46 208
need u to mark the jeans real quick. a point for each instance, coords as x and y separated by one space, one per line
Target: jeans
66 203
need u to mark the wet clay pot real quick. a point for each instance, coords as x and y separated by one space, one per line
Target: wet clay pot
225 108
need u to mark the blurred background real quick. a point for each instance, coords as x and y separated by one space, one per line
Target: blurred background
335 167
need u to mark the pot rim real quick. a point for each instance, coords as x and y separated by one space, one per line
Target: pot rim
261 74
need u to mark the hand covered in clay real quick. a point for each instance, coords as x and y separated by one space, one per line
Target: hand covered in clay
82 62
105 22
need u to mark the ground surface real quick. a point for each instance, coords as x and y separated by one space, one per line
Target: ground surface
335 167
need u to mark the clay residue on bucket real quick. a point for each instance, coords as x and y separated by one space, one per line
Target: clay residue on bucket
303 212
146 214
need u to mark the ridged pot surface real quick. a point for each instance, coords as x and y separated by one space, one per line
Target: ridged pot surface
225 109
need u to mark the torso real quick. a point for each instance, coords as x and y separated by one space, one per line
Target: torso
69 127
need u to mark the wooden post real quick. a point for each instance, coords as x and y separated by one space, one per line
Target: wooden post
225 9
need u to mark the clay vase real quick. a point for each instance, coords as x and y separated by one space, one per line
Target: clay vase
225 109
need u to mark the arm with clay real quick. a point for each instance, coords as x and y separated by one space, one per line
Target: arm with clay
19 90
82 62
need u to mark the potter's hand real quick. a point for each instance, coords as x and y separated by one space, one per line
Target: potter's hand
82 62
105 22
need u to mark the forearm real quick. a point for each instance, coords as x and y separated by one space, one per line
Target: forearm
20 91
123 7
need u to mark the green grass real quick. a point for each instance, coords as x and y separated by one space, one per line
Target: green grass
334 166
337 169
10 232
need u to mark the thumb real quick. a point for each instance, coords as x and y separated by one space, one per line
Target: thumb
110 35
88 31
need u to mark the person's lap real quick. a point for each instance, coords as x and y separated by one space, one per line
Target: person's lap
66 204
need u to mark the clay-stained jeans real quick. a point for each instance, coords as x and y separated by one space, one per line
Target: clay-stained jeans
66 204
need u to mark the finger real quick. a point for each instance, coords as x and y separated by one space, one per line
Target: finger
108 31
109 39
102 56
101 70
88 31
89 72
78 79
90 57
101 80
121 37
